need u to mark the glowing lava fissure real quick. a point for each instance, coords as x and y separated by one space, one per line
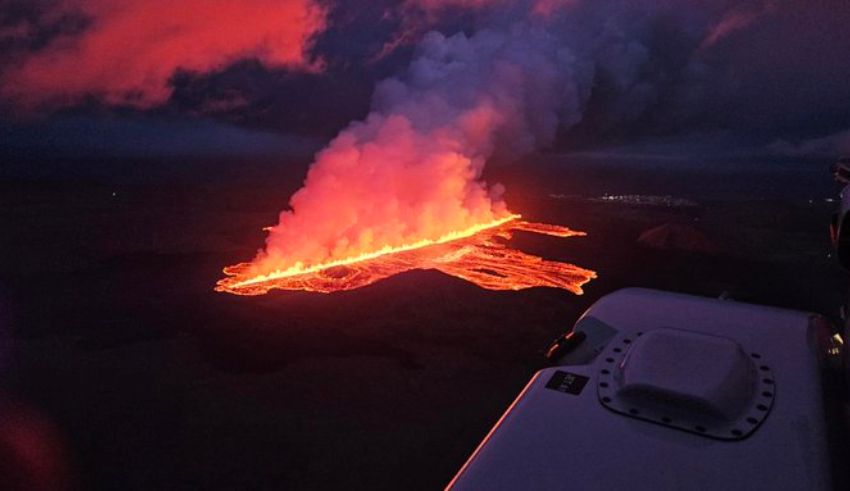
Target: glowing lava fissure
478 254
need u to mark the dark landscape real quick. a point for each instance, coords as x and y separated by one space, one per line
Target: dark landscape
155 381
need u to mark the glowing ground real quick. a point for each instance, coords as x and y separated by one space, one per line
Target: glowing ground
482 258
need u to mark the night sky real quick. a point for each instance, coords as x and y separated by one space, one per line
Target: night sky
762 77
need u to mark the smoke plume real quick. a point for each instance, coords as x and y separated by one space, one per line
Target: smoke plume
412 169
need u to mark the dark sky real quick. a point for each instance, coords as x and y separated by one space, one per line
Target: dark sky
765 77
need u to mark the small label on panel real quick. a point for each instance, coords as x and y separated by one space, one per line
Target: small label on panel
568 383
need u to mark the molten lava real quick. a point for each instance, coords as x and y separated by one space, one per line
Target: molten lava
478 254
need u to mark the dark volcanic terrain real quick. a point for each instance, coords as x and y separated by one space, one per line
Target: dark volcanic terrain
157 382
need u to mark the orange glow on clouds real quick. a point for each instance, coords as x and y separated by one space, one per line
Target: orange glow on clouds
132 48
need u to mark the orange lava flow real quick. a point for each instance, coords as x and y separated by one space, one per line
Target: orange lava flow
478 255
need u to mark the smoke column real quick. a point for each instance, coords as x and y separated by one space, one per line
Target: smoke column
412 169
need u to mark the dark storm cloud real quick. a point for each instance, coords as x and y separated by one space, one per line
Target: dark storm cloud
766 69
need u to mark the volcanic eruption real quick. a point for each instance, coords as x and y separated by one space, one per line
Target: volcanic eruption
403 189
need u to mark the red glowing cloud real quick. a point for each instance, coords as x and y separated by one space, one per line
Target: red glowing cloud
131 48
736 20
